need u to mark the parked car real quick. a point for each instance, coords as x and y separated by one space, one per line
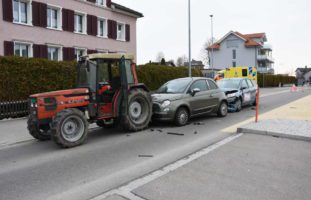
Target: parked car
240 92
181 99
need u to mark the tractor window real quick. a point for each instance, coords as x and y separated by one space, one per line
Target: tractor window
129 73
103 76
87 75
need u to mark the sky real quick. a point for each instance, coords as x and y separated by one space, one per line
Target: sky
164 28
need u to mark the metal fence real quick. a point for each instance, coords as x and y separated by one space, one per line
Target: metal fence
13 109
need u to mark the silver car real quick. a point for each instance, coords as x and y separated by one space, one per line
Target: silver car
181 99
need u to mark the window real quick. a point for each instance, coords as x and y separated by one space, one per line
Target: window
244 72
233 64
234 54
244 84
121 32
101 2
201 84
22 50
54 53
212 85
54 18
21 11
102 28
80 23
79 53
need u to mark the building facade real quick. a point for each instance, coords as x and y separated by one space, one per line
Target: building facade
66 29
236 49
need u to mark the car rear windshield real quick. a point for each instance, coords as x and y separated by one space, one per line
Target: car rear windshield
175 86
229 83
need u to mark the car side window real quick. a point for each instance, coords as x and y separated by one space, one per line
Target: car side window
212 85
244 84
250 83
201 84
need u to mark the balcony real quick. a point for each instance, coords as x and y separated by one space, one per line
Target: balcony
265 58
265 70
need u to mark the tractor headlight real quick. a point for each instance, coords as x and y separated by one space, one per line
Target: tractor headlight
231 95
165 103
33 103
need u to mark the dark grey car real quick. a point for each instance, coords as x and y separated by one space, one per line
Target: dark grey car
180 99
240 92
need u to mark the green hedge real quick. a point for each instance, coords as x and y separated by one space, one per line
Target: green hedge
274 80
20 77
156 75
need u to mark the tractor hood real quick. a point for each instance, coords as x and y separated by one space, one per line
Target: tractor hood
162 97
74 92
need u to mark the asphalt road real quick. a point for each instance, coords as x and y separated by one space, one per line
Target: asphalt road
110 158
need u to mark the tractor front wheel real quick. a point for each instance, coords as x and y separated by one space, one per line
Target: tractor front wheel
40 132
139 110
69 128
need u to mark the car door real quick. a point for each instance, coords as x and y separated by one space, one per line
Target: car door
246 95
214 94
252 90
198 102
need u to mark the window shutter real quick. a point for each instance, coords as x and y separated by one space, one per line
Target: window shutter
108 3
40 51
8 48
68 54
112 29
91 25
127 32
68 20
39 14
7 9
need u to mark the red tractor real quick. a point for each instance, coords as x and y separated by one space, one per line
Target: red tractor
107 93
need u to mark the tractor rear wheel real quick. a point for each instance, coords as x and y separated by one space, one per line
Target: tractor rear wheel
40 132
69 128
139 110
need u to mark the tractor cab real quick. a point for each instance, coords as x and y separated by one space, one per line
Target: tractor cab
107 93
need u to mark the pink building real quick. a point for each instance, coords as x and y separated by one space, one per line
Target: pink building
66 29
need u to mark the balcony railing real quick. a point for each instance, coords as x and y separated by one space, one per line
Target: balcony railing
265 57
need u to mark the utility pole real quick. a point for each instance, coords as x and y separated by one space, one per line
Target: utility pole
212 55
189 23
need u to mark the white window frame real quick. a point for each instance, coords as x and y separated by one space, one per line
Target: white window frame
60 52
59 17
105 28
124 31
29 12
99 4
80 49
30 48
84 22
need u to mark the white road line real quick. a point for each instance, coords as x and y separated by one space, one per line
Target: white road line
126 190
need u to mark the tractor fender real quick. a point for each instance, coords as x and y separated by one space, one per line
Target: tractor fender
139 86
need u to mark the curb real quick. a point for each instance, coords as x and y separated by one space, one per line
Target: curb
274 134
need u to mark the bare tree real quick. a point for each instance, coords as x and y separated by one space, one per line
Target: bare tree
205 54
180 61
160 56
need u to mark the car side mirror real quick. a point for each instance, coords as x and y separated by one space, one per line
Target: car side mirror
194 91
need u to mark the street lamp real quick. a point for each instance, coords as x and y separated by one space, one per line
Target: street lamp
212 55
189 23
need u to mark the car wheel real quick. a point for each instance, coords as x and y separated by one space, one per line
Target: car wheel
223 109
182 117
238 105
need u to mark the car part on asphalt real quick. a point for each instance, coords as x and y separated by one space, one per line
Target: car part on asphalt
107 93
178 134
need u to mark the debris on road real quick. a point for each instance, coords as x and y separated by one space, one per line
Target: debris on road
195 132
160 130
151 129
145 156
179 134
198 123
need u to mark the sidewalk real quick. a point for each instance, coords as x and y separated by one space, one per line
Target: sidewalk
250 166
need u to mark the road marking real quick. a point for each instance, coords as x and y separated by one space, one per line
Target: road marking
126 190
